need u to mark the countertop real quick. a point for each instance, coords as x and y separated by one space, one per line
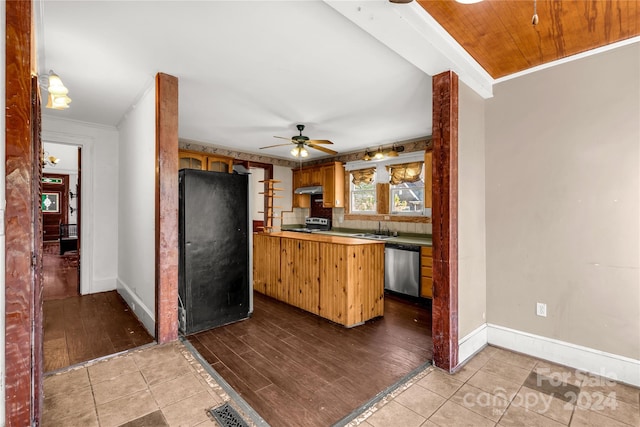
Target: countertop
420 240
342 239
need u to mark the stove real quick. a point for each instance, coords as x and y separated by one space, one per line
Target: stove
313 224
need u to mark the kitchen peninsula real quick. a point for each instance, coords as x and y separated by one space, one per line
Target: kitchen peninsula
338 278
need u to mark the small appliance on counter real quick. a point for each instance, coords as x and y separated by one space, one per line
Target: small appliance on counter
313 224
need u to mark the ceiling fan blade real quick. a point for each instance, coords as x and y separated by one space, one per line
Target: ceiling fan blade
319 141
282 137
271 146
326 150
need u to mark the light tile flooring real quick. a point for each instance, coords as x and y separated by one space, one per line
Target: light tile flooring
165 385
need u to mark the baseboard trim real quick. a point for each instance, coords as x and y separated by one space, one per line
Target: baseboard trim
472 343
102 285
141 311
609 365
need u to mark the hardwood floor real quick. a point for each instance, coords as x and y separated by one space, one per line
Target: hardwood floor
83 328
298 369
60 272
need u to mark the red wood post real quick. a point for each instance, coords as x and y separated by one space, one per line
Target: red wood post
166 208
445 221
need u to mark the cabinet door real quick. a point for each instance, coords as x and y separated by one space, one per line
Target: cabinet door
305 177
300 274
316 176
189 160
219 164
426 272
299 200
333 185
266 264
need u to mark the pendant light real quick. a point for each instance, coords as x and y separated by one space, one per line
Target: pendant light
58 99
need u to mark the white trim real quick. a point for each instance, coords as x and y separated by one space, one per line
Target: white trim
613 366
142 312
472 343
86 254
569 59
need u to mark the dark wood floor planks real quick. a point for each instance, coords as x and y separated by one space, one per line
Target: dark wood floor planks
82 328
296 369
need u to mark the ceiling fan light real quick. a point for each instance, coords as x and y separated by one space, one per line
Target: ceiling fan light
303 152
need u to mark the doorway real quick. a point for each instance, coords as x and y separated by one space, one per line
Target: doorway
60 221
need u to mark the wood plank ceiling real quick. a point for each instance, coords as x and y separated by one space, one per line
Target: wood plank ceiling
499 34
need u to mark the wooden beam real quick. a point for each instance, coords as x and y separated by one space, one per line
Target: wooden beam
19 217
445 221
166 208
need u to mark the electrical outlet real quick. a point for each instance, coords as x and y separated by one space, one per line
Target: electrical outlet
541 309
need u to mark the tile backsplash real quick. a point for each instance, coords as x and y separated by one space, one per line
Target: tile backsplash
337 221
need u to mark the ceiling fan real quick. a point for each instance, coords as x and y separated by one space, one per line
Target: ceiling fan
300 141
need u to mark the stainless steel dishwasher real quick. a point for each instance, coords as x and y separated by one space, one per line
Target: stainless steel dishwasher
402 268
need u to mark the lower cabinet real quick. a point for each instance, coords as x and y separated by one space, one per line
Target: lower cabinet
300 281
266 264
426 272
340 282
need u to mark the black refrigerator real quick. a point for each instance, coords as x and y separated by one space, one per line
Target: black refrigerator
213 272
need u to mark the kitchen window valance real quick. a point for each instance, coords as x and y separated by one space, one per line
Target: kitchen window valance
405 172
363 176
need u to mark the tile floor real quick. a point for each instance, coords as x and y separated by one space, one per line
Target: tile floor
166 386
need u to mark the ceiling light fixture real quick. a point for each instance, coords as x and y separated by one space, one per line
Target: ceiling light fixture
58 99
299 151
468 1
49 160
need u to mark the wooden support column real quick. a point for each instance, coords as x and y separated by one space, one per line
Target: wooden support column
21 407
445 221
166 208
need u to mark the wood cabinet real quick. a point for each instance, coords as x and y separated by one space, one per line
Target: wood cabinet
333 185
203 161
266 264
330 176
300 274
299 200
338 278
426 272
351 278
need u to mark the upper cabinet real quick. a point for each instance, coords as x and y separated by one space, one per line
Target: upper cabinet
330 176
204 161
333 185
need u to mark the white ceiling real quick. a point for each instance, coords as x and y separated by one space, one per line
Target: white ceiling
355 72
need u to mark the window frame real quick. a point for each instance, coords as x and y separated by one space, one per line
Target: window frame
353 191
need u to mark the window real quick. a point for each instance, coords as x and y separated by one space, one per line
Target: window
406 188
363 191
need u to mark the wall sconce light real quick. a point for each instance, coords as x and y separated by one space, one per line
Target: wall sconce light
299 151
378 155
58 99
367 156
49 160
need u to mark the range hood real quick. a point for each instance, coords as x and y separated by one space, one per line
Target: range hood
315 189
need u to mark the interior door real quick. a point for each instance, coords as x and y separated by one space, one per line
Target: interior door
55 204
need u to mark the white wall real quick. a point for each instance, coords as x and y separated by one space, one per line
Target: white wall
100 197
563 197
472 284
136 208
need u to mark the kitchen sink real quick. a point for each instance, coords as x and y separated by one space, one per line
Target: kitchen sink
371 236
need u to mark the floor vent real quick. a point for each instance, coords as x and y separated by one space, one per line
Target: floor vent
227 416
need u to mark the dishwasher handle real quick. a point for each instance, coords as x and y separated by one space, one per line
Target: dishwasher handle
403 246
